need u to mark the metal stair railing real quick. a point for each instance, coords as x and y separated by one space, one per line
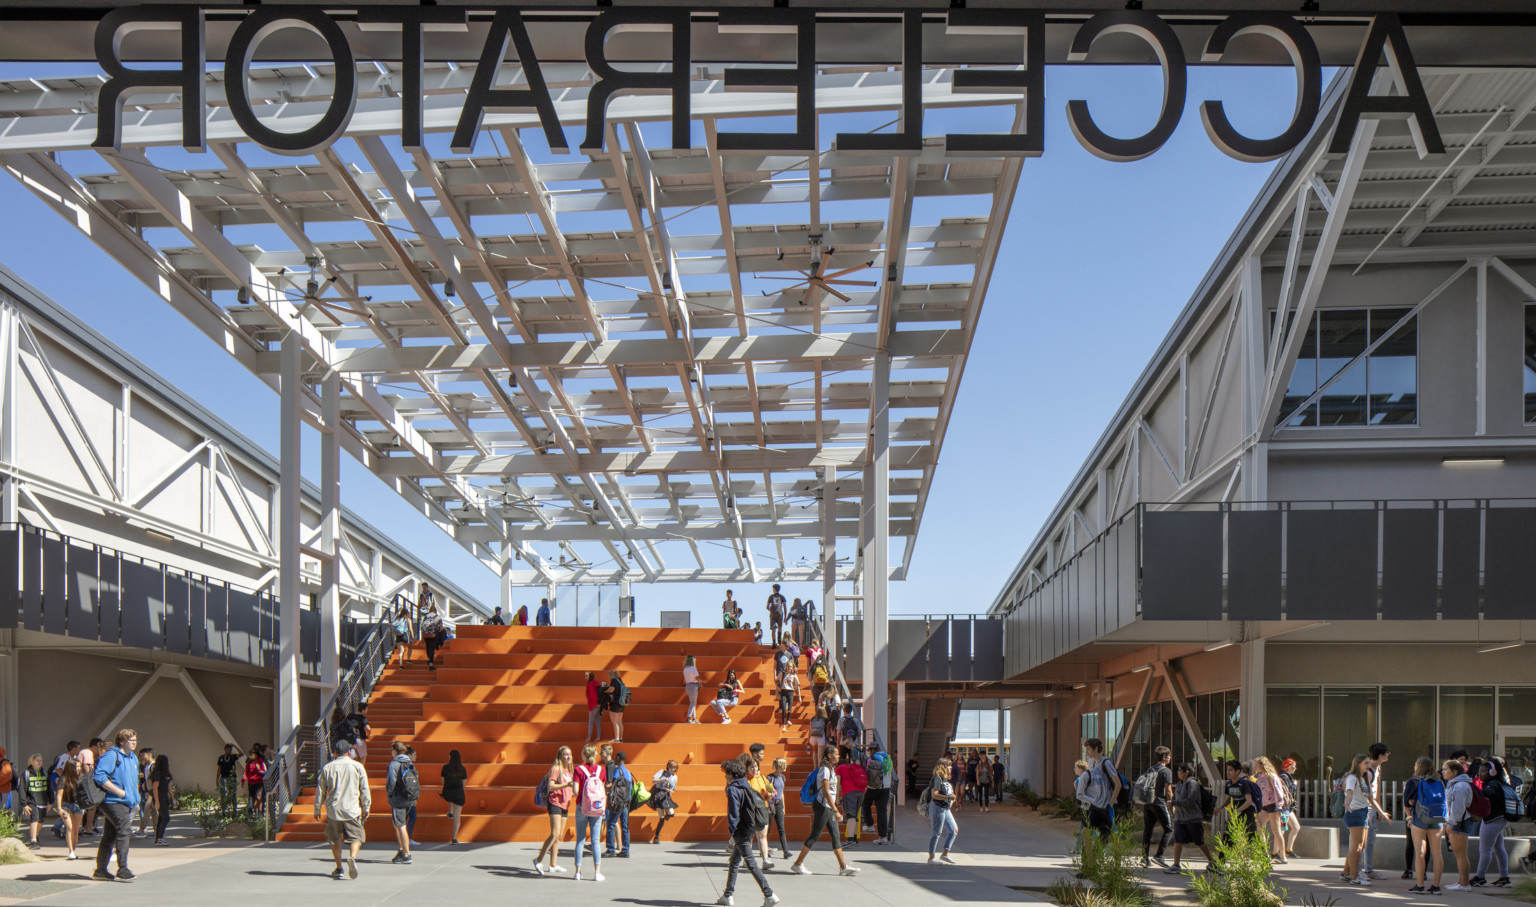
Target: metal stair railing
308 747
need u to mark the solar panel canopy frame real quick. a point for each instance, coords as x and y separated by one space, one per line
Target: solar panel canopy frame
607 366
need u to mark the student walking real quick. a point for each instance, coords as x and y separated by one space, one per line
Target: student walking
1503 808
776 804
594 708
454 776
160 794
621 787
728 695
618 701
1100 789
752 763
591 804
816 740
789 692
1188 819
853 780
402 788
34 800
826 814
691 686
1424 802
546 614
400 625
1271 800
117 776
65 802
879 770
999 775
558 789
434 633
1289 820
342 789
1155 811
663 783
256 779
743 810
941 813
1357 807
776 614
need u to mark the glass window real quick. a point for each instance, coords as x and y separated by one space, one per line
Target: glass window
1466 720
1407 727
1291 719
1349 726
1379 389
1530 364
1517 705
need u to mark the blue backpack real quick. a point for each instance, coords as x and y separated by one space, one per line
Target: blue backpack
1430 805
808 789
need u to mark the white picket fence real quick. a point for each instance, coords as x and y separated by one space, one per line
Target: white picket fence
1314 795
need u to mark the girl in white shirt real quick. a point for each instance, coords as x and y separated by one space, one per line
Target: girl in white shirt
663 783
691 684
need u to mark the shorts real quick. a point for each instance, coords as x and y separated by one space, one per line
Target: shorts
616 708
344 831
1357 818
455 797
852 801
1427 826
1467 826
1189 833
401 814
818 741
1272 808
73 809
562 811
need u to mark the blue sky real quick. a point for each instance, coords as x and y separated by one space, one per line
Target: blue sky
1096 262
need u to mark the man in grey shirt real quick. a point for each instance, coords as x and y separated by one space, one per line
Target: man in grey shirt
1102 787
343 789
1188 817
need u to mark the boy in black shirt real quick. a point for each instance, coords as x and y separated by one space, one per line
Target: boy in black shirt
227 782
1156 812
1244 791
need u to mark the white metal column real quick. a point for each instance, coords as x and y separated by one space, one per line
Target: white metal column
330 533
289 501
877 556
829 560
8 371
899 755
1250 691
507 560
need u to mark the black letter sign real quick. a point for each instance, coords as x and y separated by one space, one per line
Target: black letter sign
801 23
413 21
611 81
1298 43
1387 34
1165 44
121 80
909 137
508 23
1031 80
237 63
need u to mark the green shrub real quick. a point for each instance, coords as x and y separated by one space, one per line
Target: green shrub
1111 867
258 825
1311 901
10 826
1525 889
1060 808
195 799
1243 856
1021 792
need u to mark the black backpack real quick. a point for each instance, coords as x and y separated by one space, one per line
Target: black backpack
407 784
757 810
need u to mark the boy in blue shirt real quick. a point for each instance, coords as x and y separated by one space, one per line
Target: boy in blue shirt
117 774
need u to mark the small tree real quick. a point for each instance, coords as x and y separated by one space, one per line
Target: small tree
1113 865
1243 880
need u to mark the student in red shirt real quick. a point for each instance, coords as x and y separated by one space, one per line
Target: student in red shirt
854 781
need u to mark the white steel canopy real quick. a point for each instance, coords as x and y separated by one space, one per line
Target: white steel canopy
629 365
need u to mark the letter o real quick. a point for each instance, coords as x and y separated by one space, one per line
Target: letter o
1298 43
1170 55
237 63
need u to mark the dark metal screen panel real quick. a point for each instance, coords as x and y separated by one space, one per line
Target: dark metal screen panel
1331 565
142 609
197 622
32 581
244 628
1509 564
178 629
1459 550
266 606
109 617
853 650
909 650
1181 566
1126 564
1409 544
987 654
960 649
10 578
938 650
55 587
309 642
216 612
1088 596
1253 565
81 567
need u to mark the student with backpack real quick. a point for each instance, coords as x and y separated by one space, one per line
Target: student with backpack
728 695
1424 803
797 622
1461 822
116 783
618 701
400 625
821 678
34 800
256 779
1188 818
820 793
434 632
1504 807
591 805
663 783
853 780
816 740
1357 808
1154 792
1271 801
879 770
621 791
746 814
1290 822
402 788
1100 790
554 795
594 690
789 692
850 730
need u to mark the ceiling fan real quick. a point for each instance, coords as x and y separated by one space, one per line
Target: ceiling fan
819 277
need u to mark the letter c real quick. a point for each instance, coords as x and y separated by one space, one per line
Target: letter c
1170 55
1298 43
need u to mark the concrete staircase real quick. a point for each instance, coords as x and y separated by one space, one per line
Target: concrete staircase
508 697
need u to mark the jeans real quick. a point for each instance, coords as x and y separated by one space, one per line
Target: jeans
1152 815
877 802
982 791
1101 820
741 851
942 821
1490 845
1372 820
162 819
693 700
229 794
722 704
116 833
776 820
594 724
584 825
617 819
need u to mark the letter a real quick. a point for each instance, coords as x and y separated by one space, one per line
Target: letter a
1386 35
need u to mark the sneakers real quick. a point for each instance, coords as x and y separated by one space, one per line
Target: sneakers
1407 873
71 856
1360 880
1417 889
337 874
1173 870
351 866
597 877
33 845
852 843
726 901
1160 861
1291 854
1478 881
405 859
725 721
849 871
784 854
538 867
768 864
799 869
1501 882
1457 887
770 900
1373 874
161 843
1434 890
557 868
610 853
399 857
870 829
125 875
101 876
944 858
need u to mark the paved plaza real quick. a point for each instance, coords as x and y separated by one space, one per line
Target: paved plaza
1006 857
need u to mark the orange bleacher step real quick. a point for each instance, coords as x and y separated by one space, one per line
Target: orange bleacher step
660 734
533 828
603 634
495 676
708 665
622 648
387 693
636 713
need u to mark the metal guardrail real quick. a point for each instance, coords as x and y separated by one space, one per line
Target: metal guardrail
309 746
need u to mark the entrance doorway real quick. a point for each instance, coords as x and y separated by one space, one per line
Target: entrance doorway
1517 744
